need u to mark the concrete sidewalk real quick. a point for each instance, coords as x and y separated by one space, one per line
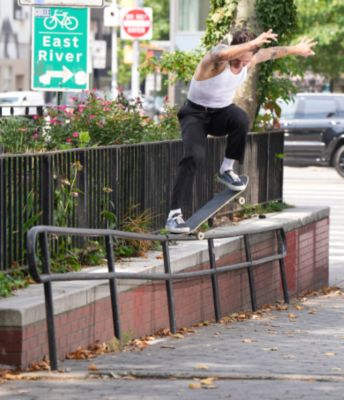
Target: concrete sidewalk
278 354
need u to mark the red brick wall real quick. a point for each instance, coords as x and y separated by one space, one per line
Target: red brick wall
143 310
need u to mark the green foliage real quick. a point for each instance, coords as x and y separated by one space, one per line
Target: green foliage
161 14
180 65
138 223
19 134
91 122
323 20
11 281
249 210
219 22
273 82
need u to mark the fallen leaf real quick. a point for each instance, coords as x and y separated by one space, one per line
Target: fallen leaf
282 307
201 366
270 348
298 307
292 316
330 354
129 378
247 340
92 367
195 386
178 336
208 383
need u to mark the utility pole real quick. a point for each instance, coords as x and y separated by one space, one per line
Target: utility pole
135 73
173 30
114 57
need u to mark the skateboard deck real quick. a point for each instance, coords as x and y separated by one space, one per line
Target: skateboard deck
213 206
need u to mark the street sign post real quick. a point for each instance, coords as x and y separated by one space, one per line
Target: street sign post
60 49
62 3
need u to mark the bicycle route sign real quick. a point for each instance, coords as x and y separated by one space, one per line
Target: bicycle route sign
60 3
60 49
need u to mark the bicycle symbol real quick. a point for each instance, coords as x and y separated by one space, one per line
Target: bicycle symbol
61 18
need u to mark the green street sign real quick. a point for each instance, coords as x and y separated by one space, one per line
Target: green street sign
60 49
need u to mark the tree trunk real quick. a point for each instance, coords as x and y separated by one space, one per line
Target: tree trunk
246 96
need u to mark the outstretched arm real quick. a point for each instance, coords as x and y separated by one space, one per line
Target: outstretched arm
224 53
304 48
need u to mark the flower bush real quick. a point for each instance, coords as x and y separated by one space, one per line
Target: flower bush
91 122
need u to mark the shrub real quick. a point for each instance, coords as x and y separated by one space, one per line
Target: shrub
91 122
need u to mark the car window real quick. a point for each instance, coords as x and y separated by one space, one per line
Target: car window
287 109
340 113
319 108
9 100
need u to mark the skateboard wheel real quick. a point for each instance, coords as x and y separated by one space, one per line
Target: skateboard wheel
241 200
200 235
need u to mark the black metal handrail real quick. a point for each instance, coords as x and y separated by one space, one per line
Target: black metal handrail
39 236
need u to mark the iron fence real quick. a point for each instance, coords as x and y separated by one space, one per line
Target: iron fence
96 187
24 111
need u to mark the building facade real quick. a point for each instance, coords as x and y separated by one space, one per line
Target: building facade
15 39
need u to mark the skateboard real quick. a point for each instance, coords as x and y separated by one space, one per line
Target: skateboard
213 206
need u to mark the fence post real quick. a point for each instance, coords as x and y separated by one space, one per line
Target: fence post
82 203
46 190
2 214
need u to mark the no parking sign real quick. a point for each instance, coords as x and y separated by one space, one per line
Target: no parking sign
136 23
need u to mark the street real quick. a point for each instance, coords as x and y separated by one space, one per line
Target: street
320 186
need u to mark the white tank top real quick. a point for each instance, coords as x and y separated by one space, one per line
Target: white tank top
218 91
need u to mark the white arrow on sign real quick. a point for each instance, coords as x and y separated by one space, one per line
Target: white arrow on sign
65 74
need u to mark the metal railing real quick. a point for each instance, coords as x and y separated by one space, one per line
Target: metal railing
38 240
117 179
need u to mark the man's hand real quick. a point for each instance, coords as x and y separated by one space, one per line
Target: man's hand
265 37
305 47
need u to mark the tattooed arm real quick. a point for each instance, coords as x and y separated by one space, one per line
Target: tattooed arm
304 48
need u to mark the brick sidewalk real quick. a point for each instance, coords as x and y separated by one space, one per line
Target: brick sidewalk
281 354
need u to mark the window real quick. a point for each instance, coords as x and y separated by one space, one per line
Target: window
319 108
287 109
18 11
193 15
341 107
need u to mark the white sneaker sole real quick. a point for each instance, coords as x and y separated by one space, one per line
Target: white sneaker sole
177 230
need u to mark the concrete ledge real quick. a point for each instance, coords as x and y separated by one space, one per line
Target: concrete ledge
307 267
27 305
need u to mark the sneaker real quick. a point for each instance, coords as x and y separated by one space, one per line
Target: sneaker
176 224
231 180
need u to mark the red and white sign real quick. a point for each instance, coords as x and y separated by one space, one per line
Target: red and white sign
136 23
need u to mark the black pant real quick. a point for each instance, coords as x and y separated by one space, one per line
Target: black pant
196 123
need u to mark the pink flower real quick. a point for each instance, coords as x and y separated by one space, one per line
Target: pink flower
81 107
68 140
91 116
35 136
75 134
35 117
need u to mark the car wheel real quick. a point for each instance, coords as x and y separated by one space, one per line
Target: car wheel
338 161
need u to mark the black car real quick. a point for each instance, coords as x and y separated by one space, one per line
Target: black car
313 125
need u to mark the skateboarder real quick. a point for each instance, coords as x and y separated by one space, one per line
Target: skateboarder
209 109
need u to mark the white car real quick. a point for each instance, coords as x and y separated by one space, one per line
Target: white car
15 103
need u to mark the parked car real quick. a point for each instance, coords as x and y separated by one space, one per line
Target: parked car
21 102
313 125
